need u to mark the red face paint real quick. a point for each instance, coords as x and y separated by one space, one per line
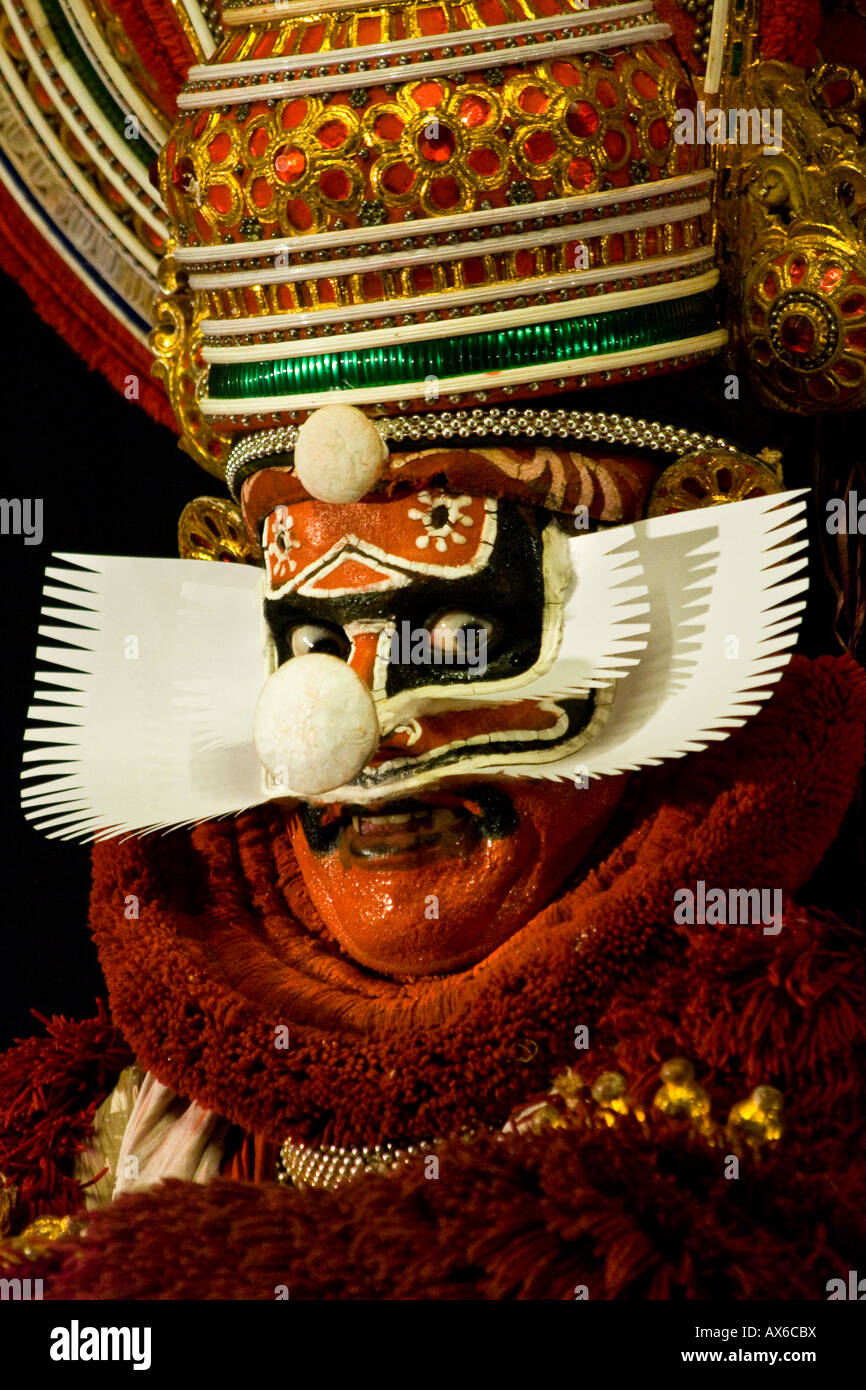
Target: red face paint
436 878
441 890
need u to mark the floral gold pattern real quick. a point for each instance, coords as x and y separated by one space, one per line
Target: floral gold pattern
211 528
797 222
708 477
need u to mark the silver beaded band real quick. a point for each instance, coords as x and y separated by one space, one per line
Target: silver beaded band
300 1165
464 424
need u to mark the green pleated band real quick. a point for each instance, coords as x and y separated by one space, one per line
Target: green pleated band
591 335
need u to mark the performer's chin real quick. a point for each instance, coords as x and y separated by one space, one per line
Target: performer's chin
436 882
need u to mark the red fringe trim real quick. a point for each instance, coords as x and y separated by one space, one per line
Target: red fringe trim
50 1088
67 306
154 31
641 1211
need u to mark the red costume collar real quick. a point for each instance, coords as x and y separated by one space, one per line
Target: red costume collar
227 949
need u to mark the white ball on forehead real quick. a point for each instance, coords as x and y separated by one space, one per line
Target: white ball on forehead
339 454
315 724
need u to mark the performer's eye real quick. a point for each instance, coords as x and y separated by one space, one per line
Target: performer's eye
446 629
315 637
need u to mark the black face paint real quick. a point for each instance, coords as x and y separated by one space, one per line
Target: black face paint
508 594
495 819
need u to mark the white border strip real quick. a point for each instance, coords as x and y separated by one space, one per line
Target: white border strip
453 222
489 323
341 82
716 53
297 9
467 385
422 43
36 221
493 246
200 25
476 294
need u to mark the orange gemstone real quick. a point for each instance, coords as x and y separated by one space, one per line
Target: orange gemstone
332 134
540 146
289 163
474 111
335 184
580 173
219 148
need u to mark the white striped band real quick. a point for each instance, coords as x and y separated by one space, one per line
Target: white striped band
422 43
424 255
547 284
447 328
442 67
577 204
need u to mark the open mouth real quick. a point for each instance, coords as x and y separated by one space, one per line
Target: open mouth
444 822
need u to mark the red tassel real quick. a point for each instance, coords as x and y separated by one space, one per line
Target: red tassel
50 1087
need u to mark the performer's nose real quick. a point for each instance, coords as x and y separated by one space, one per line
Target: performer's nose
315 724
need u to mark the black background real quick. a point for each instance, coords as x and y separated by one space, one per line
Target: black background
114 482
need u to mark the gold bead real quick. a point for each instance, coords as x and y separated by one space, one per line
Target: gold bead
759 1118
609 1093
680 1094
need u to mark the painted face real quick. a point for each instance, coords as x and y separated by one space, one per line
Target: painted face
421 596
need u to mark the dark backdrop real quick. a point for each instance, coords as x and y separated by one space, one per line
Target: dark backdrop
114 482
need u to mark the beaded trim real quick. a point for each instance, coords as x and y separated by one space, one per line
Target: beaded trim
284 329
452 250
576 210
426 44
596 38
300 1165
427 317
252 452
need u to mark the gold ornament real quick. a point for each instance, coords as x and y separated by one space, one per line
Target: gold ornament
37 1238
175 343
610 1095
759 1118
211 528
680 1095
706 477
794 221
570 1087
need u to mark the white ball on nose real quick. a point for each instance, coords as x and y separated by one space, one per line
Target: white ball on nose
339 454
315 724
